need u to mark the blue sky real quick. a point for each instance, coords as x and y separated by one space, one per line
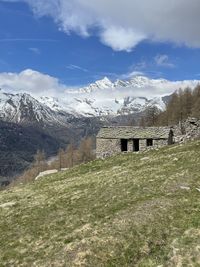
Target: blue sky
31 39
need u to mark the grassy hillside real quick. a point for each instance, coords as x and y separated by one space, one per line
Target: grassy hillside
129 210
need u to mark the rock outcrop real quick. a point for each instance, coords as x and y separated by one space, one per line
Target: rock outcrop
187 130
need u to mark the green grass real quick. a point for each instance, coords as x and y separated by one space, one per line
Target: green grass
129 210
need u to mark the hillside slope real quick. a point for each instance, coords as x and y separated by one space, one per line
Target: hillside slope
129 210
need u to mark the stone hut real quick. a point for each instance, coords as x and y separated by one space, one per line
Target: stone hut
114 140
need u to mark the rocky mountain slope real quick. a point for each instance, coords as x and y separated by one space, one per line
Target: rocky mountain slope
130 210
24 109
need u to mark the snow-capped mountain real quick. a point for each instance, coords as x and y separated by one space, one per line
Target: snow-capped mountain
98 85
137 82
102 98
23 108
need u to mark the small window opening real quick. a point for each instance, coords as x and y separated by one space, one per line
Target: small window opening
124 145
149 142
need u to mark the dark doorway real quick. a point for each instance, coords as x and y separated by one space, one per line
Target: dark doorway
149 142
124 145
136 146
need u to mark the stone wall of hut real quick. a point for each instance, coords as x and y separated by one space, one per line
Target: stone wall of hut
108 147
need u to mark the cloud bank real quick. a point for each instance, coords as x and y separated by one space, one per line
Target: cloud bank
30 81
123 24
38 84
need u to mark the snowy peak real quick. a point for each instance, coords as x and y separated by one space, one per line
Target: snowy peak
135 82
101 98
120 83
23 108
103 84
51 102
105 97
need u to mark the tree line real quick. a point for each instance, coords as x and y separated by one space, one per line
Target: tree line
182 104
65 158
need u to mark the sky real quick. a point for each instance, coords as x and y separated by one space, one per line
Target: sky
72 43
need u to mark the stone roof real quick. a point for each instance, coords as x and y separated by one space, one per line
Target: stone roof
129 132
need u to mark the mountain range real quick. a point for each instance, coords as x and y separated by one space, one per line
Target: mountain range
102 98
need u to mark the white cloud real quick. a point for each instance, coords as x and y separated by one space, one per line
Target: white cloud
163 61
122 24
30 81
39 84
121 39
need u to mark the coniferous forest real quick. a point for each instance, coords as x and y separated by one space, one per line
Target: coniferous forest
182 104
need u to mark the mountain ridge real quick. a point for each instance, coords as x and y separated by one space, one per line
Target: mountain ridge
107 98
102 98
